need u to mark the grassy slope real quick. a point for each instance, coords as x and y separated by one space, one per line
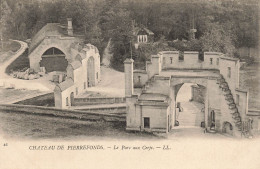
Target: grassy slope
250 79
20 63
24 126
9 48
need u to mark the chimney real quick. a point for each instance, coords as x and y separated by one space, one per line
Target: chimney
70 28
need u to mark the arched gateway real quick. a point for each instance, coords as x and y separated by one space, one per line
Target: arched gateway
151 94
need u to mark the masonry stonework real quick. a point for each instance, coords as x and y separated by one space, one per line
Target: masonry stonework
152 106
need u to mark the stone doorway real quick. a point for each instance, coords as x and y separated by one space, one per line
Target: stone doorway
228 128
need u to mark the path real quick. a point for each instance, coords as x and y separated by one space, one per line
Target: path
112 84
3 67
191 114
36 84
107 55
191 133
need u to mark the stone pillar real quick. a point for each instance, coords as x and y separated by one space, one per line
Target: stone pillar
206 108
70 28
237 74
258 57
173 94
35 64
129 80
156 65
57 97
192 92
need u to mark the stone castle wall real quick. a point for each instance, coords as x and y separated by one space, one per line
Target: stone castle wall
157 78
77 72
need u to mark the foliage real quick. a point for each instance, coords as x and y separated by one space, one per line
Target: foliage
193 45
4 16
144 52
220 26
216 39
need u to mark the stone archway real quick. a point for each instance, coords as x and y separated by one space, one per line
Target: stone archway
188 112
91 72
227 128
53 59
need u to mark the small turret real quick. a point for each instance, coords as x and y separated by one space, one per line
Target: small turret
70 28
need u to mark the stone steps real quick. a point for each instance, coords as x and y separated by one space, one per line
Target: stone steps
190 116
231 106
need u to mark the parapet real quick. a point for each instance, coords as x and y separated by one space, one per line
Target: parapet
155 56
128 60
168 52
213 53
229 58
191 52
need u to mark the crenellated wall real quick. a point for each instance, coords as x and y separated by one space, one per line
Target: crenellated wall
169 60
190 60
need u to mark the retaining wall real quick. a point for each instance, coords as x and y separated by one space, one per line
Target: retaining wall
98 100
75 114
190 60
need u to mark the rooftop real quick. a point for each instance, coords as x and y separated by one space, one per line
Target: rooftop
50 29
153 97
75 64
65 84
138 29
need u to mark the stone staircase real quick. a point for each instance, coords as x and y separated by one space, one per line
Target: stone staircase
148 84
108 105
191 115
230 107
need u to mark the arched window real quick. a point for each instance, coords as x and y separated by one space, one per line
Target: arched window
145 38
53 51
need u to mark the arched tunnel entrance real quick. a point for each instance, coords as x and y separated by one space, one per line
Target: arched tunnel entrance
189 105
54 59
